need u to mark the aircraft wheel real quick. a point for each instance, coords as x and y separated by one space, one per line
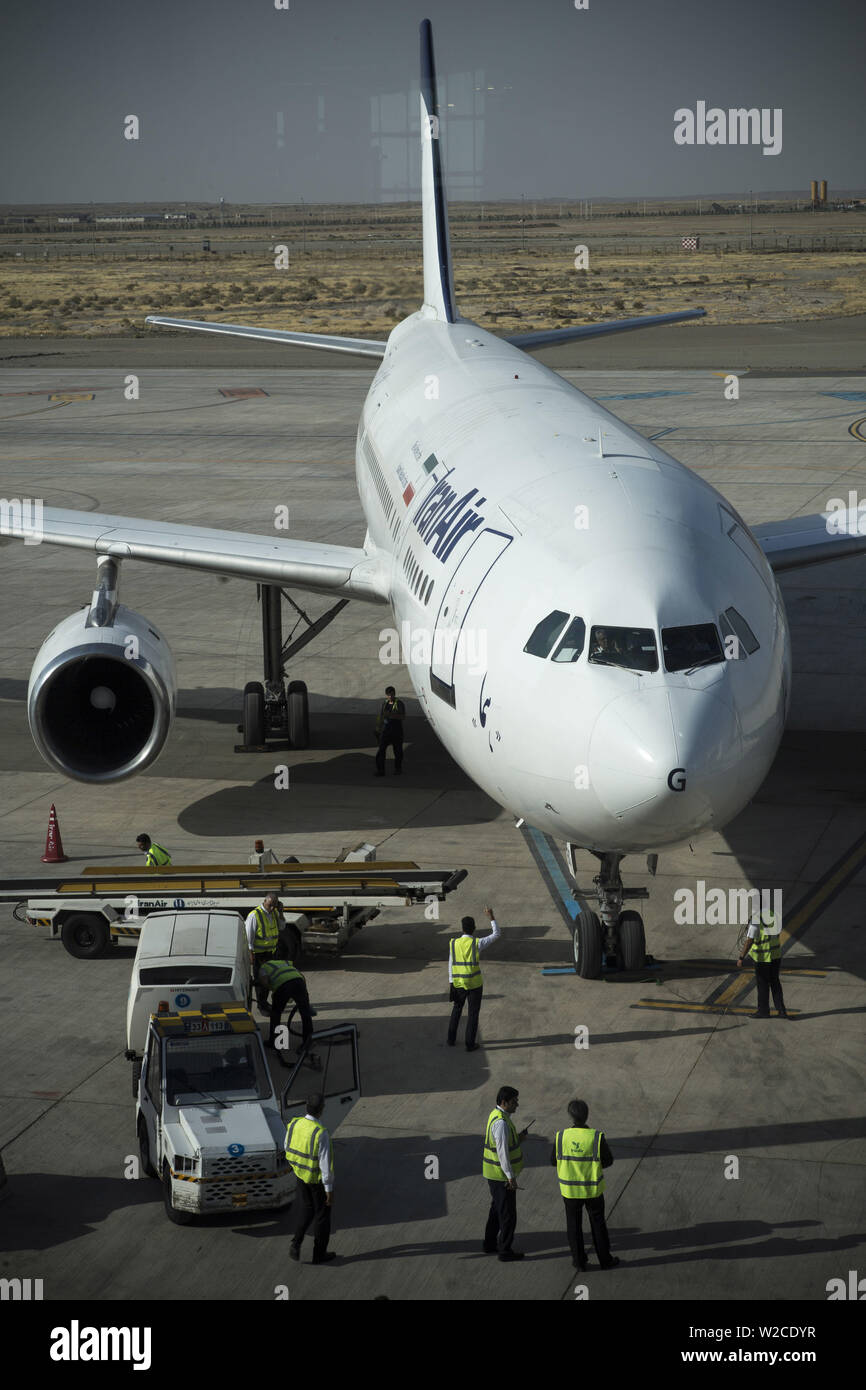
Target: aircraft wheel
254 714
587 946
632 941
299 715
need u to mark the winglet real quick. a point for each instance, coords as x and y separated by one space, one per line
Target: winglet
438 275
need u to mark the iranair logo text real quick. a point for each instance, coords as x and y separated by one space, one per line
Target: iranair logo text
77 1343
444 517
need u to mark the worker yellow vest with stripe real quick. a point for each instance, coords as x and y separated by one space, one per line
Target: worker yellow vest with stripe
465 970
302 1148
765 947
490 1166
267 932
279 972
156 856
578 1162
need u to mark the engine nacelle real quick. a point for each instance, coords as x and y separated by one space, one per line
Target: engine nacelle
101 700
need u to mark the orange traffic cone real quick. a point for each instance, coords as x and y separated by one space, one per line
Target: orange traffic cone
53 843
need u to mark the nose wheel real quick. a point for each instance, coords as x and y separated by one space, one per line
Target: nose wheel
632 941
588 946
611 936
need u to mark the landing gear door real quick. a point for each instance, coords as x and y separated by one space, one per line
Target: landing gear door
329 1064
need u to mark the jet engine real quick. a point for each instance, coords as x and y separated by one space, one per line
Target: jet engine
102 694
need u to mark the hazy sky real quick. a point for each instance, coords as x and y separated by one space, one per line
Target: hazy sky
238 99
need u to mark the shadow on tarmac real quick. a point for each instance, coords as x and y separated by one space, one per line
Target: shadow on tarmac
734 1139
45 1210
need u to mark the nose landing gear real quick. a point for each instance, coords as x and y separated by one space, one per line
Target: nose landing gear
610 937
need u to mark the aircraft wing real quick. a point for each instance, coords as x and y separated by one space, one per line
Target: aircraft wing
361 347
548 337
812 540
320 568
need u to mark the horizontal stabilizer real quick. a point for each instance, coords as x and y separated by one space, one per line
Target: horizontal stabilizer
362 347
549 336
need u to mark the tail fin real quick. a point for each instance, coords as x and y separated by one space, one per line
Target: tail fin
438 275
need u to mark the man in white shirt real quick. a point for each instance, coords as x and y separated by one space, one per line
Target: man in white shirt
502 1162
308 1149
763 944
464 977
263 933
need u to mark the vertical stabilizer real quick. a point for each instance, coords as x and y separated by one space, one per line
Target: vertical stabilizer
438 275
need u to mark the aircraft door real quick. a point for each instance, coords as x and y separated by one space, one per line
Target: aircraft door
457 600
339 1078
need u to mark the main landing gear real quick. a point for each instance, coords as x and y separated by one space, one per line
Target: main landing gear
609 936
274 710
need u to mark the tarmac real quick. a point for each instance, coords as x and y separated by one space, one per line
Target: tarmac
678 1076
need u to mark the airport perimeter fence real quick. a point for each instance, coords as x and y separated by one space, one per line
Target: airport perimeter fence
347 249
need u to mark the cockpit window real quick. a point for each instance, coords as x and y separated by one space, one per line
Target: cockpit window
571 645
632 647
686 648
545 634
733 624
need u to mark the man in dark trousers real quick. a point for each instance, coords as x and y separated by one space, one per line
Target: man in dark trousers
389 727
285 983
308 1149
765 948
464 977
579 1155
501 1163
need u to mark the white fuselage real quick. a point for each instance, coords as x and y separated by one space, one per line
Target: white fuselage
487 492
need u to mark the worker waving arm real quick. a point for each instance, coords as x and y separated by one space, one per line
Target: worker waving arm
485 941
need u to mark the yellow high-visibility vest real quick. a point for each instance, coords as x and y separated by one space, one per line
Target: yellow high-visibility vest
302 1148
279 972
156 856
465 969
578 1162
490 1165
765 947
267 930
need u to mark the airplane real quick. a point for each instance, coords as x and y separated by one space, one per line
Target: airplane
594 633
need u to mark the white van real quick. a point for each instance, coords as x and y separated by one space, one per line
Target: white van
184 960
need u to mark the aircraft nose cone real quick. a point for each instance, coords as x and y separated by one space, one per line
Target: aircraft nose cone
668 757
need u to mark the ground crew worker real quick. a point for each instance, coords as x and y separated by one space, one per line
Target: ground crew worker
579 1155
501 1163
464 977
154 855
308 1149
766 952
263 934
389 727
285 983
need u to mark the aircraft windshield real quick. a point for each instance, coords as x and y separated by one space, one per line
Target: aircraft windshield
632 647
686 648
545 633
230 1067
